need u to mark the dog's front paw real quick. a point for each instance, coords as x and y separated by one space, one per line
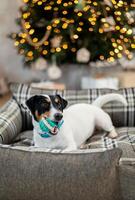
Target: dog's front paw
113 134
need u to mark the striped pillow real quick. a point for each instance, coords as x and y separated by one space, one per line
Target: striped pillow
10 121
120 115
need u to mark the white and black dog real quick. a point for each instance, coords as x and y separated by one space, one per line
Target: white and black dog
80 120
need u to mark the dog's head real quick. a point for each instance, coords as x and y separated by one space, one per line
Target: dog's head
47 106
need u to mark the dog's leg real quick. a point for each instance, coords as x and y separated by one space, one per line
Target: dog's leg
105 123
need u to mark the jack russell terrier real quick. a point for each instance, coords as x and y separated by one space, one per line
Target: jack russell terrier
57 127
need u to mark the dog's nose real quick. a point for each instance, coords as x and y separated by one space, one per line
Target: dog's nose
58 116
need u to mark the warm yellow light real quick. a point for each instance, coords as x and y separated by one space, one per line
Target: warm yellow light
47 8
65 46
65 25
27 25
120 47
46 43
90 29
58 49
106 25
81 23
79 29
56 30
125 39
123 30
127 52
65 4
119 41
44 52
25 15
56 9
117 27
75 36
52 50
130 56
111 59
76 2
16 43
119 55
25 1
48 27
35 40
95 3
133 46
101 30
103 20
64 12
111 53
114 44
102 57
118 19
22 41
108 8
129 32
30 53
116 50
59 2
79 14
31 31
39 3
56 21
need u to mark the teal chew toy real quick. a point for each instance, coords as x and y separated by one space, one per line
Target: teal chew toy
49 128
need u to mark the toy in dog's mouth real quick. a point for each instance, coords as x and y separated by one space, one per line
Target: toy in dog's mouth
49 127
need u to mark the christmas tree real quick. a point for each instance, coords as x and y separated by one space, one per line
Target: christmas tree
75 31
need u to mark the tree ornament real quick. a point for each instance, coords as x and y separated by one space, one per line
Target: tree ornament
83 55
40 64
55 42
54 72
108 3
111 21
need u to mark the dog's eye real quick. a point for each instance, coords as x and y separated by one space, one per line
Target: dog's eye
57 100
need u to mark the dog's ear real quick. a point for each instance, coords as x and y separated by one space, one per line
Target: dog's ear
64 102
31 104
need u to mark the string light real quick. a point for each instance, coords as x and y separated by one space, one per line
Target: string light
65 25
31 31
58 49
40 3
75 36
47 7
45 52
46 43
16 43
79 29
25 1
65 46
22 41
30 53
65 12
35 40
102 57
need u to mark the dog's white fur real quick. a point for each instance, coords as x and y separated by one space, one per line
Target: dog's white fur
80 121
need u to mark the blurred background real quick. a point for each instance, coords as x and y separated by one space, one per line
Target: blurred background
67 44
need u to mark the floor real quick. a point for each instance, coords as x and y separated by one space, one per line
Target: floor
4 99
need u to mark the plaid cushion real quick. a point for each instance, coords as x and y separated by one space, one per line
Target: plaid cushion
120 115
10 121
